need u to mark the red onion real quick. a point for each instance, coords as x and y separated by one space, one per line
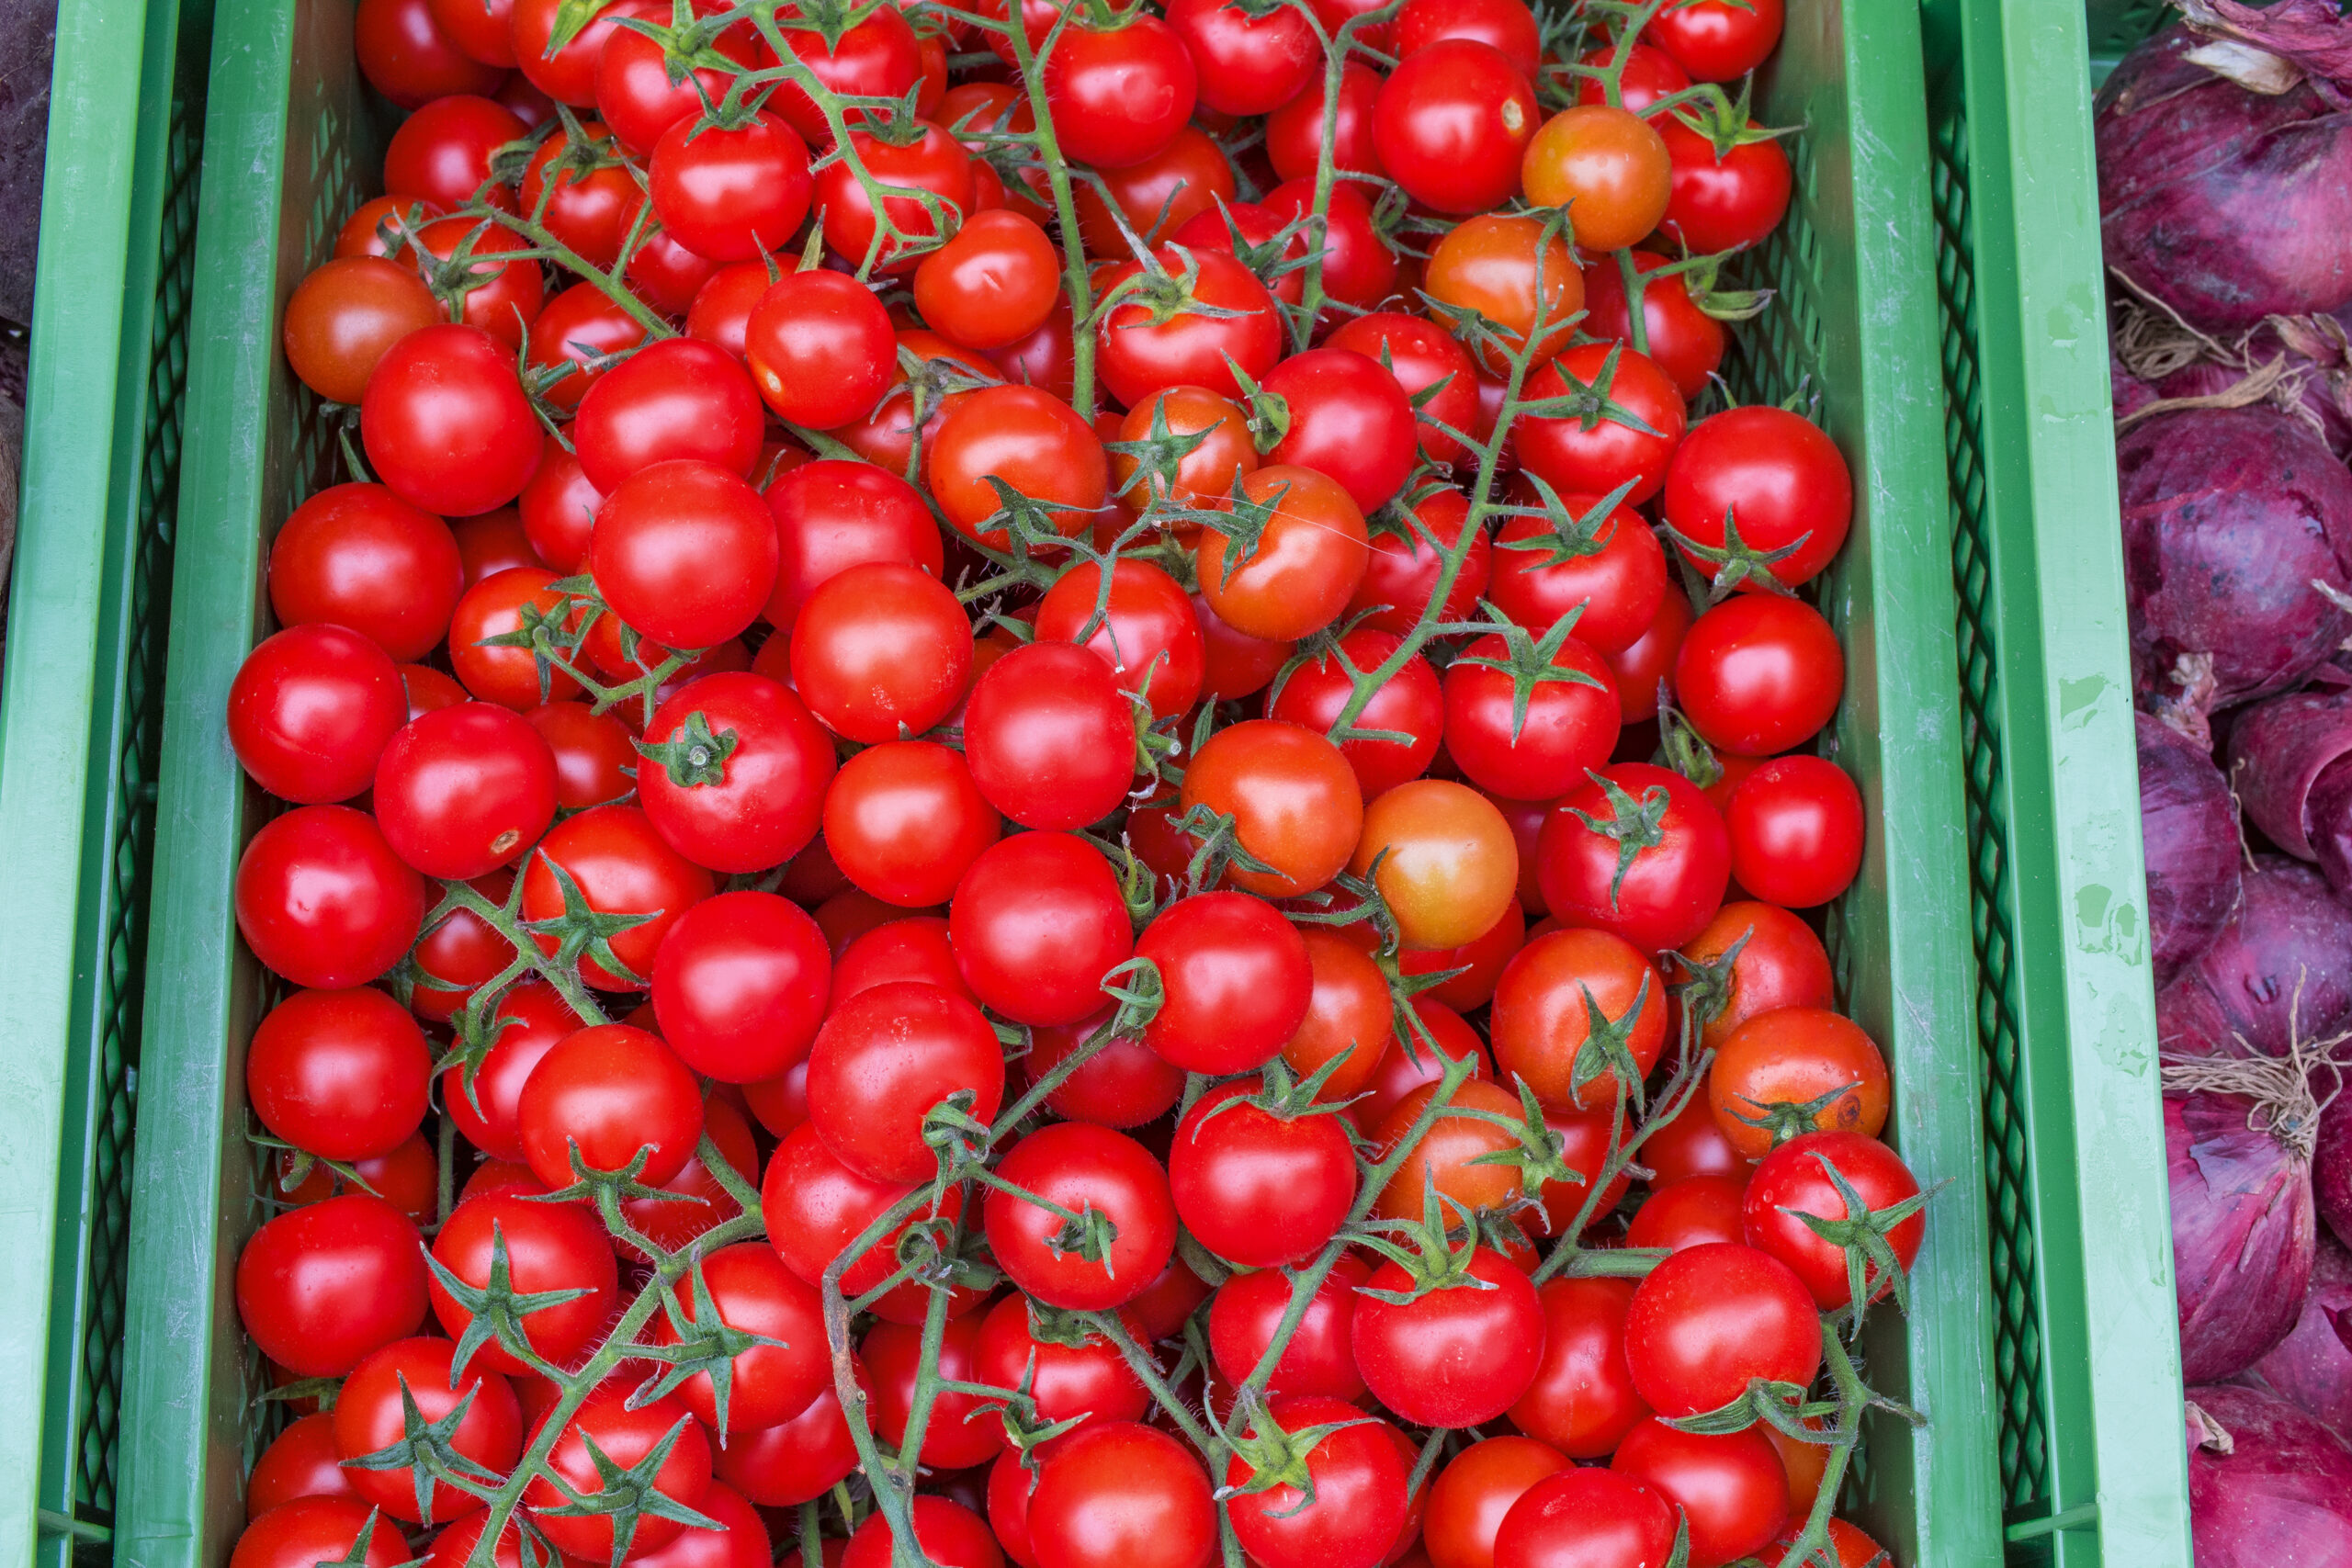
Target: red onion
2278 970
2332 1168
2226 205
2242 1231
2268 1485
2230 516
2190 829
2313 1366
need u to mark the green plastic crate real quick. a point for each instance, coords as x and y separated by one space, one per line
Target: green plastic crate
293 147
80 724
2087 1363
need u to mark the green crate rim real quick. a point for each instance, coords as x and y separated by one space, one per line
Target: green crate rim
2087 1345
79 730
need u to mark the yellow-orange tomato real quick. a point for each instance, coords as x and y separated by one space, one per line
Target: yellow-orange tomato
1541 1020
1792 1058
1203 477
345 314
1448 866
1292 799
1350 1011
1309 553
1495 266
1607 166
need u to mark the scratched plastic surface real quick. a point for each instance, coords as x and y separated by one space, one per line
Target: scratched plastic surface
2087 1356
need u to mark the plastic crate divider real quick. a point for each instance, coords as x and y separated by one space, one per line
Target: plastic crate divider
2086 1354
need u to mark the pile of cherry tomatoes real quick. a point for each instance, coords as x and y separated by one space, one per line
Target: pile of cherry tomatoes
1054 793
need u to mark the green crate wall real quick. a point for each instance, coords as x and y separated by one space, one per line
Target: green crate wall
80 726
2086 1350
1855 322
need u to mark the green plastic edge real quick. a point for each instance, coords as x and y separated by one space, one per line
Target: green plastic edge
1928 1493
184 1408
2059 572
2111 1344
62 709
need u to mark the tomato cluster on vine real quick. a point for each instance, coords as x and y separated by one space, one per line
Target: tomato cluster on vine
1055 792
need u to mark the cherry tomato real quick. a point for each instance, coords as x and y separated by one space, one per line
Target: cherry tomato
740 986
300 1462
1794 1180
1797 1057
1067 1371
619 865
1028 440
1647 664
1648 858
1782 482
1145 628
1582 1401
1689 1213
1257 1186
1718 41
1607 166
1317 1359
1353 1504
1120 1494
733 193
821 348
992 284
1451 123
1527 726
680 398
1796 831
733 773
1118 93
1294 129
345 315
1558 1005
1037 923
832 515
307 1530
359 557
1474 1490
1723 203
607 1429
1157 196
816 1206
405 55
420 1374
1443 857
1408 703
1507 270
905 820
1760 673
1458 1356
1124 1084
1359 266
951 1536
878 57
882 1059
310 710
793 1462
1234 663
322 900
1596 451
549 1248
1247 64
1154 338
1295 806
1682 339
1081 1168
933 161
446 424
322 1286
1309 551
1730 1488
600 1097
752 1291
1709 1319
1345 417
342 1074
463 791
1692 1145
635 96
